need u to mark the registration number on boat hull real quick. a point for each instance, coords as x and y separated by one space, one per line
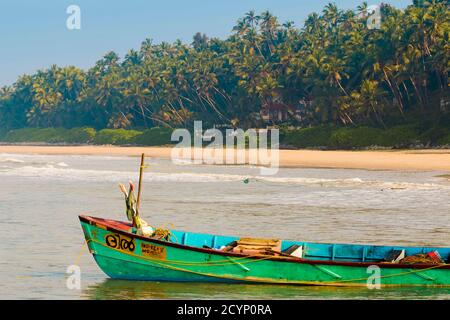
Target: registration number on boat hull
120 242
151 250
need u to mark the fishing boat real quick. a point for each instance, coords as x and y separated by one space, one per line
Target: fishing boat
188 256
122 252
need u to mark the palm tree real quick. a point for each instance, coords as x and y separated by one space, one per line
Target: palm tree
331 70
251 19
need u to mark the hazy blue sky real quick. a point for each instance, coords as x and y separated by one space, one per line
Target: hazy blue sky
33 34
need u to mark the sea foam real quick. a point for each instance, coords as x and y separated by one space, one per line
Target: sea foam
61 171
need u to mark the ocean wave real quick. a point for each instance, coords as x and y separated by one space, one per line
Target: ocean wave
352 182
62 171
62 164
11 160
31 162
53 172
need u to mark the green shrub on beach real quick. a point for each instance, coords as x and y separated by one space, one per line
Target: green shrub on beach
435 135
150 137
80 135
306 137
116 136
444 140
51 135
355 137
153 137
400 136
315 137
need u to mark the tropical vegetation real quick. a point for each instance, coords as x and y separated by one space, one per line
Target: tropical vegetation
333 72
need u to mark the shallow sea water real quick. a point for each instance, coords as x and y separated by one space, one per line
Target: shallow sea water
42 196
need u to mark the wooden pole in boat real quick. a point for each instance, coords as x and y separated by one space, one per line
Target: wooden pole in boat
141 174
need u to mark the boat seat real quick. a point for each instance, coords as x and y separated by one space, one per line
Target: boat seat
256 246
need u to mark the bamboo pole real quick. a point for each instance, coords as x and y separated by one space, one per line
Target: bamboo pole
141 174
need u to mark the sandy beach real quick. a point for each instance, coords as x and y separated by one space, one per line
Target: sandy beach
419 160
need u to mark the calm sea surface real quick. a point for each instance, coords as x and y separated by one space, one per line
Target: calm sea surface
42 196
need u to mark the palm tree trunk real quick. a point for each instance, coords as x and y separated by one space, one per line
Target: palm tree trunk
394 92
418 94
143 114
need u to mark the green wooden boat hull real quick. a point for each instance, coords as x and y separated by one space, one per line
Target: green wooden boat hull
124 255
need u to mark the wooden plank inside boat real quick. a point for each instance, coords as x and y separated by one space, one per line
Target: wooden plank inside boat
257 246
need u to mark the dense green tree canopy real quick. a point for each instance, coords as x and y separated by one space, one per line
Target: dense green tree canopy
334 69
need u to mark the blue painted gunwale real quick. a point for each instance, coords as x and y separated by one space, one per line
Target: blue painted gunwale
356 255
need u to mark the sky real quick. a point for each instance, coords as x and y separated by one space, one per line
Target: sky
34 35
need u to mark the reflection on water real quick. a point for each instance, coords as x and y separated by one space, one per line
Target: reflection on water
122 289
42 196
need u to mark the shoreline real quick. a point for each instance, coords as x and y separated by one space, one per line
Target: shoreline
402 160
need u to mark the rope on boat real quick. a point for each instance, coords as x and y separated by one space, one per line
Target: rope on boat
162 233
259 258
80 253
396 274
